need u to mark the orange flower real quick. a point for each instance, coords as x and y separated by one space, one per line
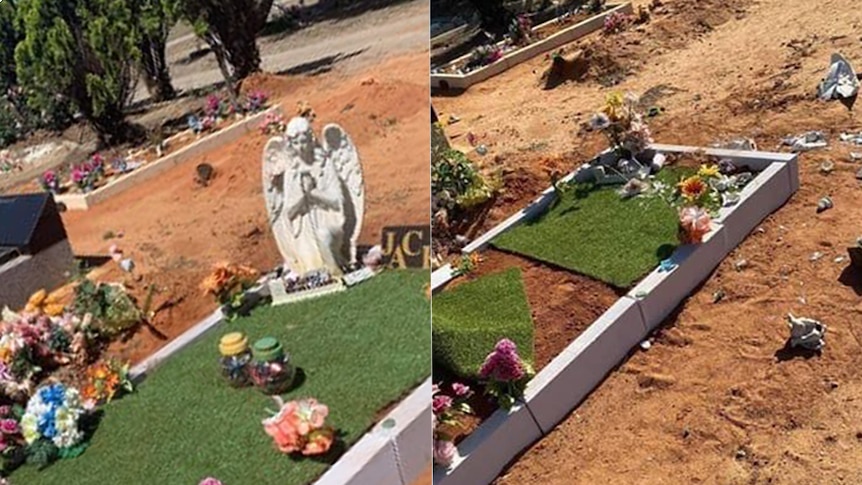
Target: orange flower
319 441
692 188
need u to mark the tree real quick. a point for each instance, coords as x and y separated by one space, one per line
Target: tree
9 38
156 17
495 16
230 28
85 50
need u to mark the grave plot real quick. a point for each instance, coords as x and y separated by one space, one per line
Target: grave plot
524 43
79 186
185 422
620 250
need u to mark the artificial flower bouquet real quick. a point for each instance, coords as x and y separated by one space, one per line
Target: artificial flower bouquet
105 380
32 343
51 424
505 374
273 123
448 409
623 124
255 101
50 182
87 174
699 197
227 284
300 427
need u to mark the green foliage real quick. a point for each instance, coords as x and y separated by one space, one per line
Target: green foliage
455 182
359 351
469 319
84 50
594 231
42 453
9 132
112 309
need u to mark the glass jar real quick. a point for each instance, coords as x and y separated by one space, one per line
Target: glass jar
271 369
235 359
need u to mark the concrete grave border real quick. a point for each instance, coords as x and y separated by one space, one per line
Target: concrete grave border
523 54
572 375
206 144
395 451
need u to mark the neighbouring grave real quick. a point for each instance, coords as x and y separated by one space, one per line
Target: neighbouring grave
34 249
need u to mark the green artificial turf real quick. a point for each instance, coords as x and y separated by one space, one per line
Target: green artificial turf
359 350
470 319
595 232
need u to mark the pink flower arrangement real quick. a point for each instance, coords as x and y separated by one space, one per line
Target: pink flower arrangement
448 411
50 182
444 452
694 224
272 123
213 106
616 22
299 426
506 375
210 481
10 430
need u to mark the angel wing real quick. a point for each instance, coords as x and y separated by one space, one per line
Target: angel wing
276 160
343 153
274 164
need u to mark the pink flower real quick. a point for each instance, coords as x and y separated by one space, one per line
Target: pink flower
444 452
441 404
9 426
210 481
5 410
503 364
461 390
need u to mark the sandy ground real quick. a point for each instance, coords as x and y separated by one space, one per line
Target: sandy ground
175 230
714 400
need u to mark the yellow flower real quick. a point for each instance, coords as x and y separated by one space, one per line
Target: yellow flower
692 188
708 171
614 106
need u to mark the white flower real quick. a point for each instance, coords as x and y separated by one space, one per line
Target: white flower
67 438
29 428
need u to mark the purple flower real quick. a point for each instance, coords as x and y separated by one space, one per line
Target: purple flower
9 426
210 481
441 404
503 364
461 390
444 452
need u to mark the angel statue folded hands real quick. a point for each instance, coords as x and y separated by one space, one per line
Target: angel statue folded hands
315 197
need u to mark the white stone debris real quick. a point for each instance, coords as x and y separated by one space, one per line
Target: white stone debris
806 332
854 138
810 140
841 81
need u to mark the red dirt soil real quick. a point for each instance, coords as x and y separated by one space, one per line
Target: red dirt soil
175 230
714 400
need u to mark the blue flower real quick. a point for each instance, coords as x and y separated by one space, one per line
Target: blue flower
47 424
53 395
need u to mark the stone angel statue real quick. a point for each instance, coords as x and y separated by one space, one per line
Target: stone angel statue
315 196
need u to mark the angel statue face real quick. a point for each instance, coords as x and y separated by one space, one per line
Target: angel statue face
300 138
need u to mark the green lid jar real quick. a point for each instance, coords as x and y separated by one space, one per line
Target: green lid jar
271 371
267 349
